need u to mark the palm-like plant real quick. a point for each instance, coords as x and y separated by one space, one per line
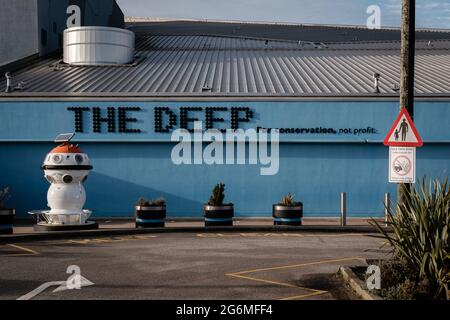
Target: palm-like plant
419 235
289 201
218 194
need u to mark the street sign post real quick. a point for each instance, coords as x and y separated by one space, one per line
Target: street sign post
402 140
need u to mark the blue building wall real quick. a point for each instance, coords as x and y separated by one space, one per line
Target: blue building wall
314 167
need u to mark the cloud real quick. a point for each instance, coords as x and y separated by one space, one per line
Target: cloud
429 14
295 11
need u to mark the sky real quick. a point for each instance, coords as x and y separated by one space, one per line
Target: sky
430 13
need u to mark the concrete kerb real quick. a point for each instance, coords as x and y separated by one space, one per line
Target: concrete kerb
131 231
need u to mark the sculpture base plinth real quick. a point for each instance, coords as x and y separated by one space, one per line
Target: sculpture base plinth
44 226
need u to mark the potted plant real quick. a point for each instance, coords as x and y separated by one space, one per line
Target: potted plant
6 215
150 213
216 212
288 212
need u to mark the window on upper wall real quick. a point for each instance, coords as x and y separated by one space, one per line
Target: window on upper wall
44 37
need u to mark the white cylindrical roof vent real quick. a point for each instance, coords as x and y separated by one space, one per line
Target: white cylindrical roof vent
87 46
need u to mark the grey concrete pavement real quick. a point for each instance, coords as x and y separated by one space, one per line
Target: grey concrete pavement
189 265
26 226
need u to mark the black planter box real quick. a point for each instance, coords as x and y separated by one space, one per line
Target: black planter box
150 217
7 221
287 215
219 216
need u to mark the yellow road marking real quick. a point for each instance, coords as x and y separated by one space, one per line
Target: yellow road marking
298 265
141 237
30 252
97 240
313 292
85 241
264 280
303 296
283 284
217 235
279 235
340 235
108 240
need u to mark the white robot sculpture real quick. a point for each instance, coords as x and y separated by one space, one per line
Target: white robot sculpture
66 167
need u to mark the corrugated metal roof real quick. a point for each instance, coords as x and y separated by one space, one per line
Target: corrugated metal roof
208 42
188 65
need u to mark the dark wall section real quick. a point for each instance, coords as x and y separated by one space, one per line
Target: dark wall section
117 18
100 13
53 16
51 24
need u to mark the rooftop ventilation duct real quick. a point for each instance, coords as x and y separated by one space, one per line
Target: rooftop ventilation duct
90 46
8 82
376 83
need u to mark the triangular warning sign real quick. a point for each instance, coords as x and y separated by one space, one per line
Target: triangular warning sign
403 133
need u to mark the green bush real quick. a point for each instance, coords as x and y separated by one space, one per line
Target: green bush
160 202
400 282
402 291
420 238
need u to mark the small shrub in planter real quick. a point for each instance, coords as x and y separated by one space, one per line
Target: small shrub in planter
150 213
288 212
6 214
216 212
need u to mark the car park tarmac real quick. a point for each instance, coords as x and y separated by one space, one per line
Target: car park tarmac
228 265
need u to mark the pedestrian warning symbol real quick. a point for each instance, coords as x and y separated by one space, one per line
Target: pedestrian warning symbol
403 133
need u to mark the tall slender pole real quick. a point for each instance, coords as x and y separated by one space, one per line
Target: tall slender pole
387 207
407 59
343 209
407 62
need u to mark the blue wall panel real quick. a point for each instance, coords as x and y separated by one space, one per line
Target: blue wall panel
315 172
39 121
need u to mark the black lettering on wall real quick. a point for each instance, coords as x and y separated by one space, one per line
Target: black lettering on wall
124 120
159 119
110 119
235 116
184 117
78 112
209 115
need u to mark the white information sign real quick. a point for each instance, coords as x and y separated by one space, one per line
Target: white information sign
402 164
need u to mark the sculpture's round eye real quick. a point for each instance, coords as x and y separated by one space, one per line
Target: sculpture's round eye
67 178
57 158
79 158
